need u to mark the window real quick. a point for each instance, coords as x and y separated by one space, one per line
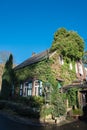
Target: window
29 89
36 91
21 90
61 60
38 87
25 91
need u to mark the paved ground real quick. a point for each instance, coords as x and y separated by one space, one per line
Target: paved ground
8 122
21 120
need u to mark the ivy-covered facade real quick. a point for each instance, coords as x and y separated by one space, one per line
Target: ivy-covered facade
60 66
45 67
32 74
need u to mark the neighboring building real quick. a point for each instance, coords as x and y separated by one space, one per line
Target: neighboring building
34 86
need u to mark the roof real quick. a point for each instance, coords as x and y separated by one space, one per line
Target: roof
34 59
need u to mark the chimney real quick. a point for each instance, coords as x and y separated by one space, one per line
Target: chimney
33 54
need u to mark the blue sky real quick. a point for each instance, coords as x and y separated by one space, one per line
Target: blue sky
28 26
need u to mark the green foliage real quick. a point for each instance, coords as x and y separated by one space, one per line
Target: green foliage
77 112
69 44
7 78
67 74
9 63
84 58
72 97
41 70
19 109
32 101
45 111
57 101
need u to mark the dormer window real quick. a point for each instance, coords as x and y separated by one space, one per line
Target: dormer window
61 60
